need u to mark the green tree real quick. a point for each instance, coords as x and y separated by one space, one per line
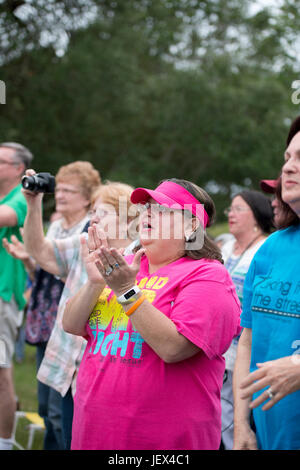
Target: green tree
152 89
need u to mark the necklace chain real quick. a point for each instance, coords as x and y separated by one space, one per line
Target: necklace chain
250 244
243 252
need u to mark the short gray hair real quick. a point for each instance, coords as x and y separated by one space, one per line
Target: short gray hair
21 153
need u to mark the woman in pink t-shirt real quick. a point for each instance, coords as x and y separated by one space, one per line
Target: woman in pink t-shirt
157 325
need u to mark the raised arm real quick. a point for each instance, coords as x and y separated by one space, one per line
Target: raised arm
80 306
157 329
36 244
8 217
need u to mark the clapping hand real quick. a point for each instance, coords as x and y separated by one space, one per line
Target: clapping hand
118 274
15 248
96 239
108 264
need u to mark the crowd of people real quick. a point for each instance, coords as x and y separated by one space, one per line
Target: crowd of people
149 334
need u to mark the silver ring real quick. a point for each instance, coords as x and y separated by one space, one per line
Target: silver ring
270 393
91 251
109 270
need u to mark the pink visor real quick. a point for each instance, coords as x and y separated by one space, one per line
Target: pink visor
174 196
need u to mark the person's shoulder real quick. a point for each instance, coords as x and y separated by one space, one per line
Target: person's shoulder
15 195
228 244
206 269
206 272
16 203
227 249
16 192
292 231
278 244
280 237
55 228
201 263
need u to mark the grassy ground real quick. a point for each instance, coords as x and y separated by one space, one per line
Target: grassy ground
26 391
218 229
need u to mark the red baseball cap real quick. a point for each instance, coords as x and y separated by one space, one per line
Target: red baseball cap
268 186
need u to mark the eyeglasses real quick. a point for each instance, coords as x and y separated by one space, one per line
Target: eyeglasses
157 208
236 209
66 191
100 213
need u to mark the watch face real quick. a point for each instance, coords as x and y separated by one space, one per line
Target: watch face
129 294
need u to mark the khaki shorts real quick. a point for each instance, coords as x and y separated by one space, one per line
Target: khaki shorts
10 321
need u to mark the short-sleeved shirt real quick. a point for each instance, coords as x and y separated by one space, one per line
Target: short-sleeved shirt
12 272
271 308
64 351
127 397
46 292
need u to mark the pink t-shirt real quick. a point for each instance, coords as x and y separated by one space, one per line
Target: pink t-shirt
127 397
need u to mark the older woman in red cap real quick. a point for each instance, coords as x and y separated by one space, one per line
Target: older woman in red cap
284 216
157 325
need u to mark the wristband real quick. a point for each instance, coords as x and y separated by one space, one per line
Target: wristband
129 296
135 305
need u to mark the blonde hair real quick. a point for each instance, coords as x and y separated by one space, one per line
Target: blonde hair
88 177
111 192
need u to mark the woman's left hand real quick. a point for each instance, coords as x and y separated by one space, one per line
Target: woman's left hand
15 248
118 274
281 376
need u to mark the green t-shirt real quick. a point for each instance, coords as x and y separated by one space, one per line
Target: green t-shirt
12 271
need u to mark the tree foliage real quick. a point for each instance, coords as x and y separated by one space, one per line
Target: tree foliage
149 89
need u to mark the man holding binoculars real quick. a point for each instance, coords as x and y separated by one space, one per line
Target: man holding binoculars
14 160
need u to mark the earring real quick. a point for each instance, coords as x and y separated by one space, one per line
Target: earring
255 229
189 238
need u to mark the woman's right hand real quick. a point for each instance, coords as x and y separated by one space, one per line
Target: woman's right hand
31 197
89 247
244 438
80 305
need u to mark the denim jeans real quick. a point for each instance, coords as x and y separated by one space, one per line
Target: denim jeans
67 418
49 408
